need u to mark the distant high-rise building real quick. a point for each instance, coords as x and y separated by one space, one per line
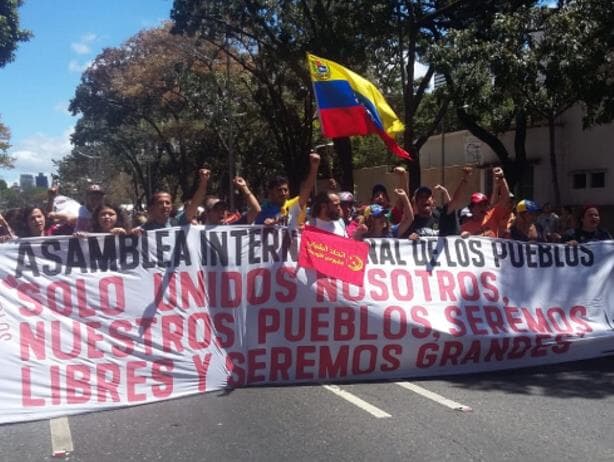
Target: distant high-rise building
42 181
26 181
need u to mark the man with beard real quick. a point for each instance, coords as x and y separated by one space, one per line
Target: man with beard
326 213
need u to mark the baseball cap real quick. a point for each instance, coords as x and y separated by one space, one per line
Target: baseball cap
465 213
376 211
95 189
478 198
217 204
423 190
527 206
346 196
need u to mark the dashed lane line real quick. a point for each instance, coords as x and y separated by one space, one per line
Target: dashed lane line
434 397
356 401
61 438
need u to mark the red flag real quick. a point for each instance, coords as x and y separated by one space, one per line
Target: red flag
332 255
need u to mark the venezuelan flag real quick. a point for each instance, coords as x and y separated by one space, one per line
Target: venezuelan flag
350 105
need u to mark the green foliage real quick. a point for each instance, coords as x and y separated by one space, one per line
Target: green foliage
10 33
6 161
18 198
159 107
530 64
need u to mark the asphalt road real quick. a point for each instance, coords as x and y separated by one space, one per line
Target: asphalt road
556 413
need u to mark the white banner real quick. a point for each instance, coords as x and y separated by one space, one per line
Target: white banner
105 321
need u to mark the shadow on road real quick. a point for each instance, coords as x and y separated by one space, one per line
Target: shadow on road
591 379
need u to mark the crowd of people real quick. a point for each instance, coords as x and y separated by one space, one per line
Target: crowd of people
404 216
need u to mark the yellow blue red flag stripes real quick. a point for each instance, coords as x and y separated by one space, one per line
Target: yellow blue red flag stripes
350 105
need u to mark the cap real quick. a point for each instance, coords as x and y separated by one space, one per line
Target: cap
95 189
346 196
478 198
423 190
465 213
378 188
376 211
527 206
216 203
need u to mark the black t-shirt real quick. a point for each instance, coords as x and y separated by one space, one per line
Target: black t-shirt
440 223
580 235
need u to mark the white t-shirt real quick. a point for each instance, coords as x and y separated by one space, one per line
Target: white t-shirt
336 226
66 205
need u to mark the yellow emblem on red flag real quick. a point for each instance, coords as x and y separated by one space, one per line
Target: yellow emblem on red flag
333 255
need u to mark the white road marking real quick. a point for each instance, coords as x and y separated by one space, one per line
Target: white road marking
434 397
61 439
356 401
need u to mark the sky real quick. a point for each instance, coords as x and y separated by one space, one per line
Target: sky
35 89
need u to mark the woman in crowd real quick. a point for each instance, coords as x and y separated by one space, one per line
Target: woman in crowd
33 223
525 227
377 222
107 218
589 229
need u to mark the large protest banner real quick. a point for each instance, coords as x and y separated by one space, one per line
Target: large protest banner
104 321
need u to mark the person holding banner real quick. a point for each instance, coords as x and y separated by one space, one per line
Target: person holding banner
161 204
108 218
589 229
525 227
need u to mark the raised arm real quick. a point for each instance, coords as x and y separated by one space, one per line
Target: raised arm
402 179
445 193
199 196
458 198
10 233
408 212
310 181
65 216
253 206
501 187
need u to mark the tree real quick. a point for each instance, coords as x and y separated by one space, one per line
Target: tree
158 107
6 161
379 39
10 33
10 36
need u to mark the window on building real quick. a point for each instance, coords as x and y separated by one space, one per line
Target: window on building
594 179
579 180
598 180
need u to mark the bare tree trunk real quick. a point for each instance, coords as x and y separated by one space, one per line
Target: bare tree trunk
553 163
343 148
